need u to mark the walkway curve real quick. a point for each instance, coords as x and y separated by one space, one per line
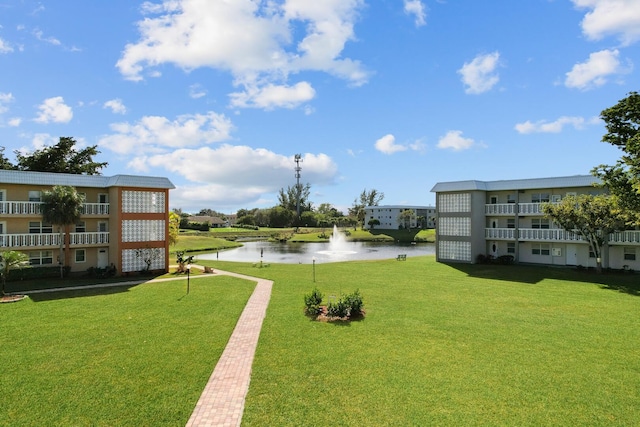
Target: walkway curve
222 401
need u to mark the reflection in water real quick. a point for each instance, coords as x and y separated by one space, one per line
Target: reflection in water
303 253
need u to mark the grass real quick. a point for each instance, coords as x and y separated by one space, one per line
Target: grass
446 345
136 356
439 345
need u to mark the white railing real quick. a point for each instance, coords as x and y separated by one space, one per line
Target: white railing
500 233
33 208
500 209
91 238
52 239
557 235
510 209
96 209
20 208
29 239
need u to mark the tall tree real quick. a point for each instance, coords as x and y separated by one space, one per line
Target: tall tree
366 198
174 228
623 131
288 198
62 206
10 260
591 217
61 158
405 217
4 162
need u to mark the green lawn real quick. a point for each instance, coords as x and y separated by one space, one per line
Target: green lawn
439 345
136 356
446 345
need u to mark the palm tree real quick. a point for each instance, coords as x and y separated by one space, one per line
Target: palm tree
10 260
62 206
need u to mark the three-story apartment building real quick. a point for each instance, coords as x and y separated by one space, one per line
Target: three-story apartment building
505 218
124 221
390 219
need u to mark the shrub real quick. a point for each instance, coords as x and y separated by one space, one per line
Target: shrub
354 302
312 302
338 309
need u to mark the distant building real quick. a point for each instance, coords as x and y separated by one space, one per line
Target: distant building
214 221
389 217
124 223
505 218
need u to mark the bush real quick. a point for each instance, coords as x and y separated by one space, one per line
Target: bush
312 302
338 309
355 303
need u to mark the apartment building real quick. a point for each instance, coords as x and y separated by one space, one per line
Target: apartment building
505 218
389 217
124 221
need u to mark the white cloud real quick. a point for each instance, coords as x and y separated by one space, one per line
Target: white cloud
387 145
270 96
416 8
455 141
54 110
595 70
51 40
611 17
156 134
197 91
5 47
480 75
235 175
5 98
116 106
14 121
556 126
257 42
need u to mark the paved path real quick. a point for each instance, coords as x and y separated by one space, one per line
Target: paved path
222 401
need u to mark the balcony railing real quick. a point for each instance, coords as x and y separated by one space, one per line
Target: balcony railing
33 208
52 239
557 235
510 209
95 238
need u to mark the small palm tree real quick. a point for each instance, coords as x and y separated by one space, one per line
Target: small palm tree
62 206
10 260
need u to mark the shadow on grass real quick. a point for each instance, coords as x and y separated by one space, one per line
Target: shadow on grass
55 294
620 281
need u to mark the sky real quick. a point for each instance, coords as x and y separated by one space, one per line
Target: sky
393 95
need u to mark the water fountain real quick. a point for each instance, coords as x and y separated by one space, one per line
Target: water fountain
338 245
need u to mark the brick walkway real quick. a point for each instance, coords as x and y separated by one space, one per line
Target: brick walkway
222 401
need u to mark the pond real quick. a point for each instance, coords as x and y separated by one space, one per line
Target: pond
304 253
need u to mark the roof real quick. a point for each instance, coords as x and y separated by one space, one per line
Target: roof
517 184
75 180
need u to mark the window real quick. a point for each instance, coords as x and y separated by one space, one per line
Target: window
454 226
34 196
511 223
80 255
81 227
511 198
41 258
511 247
540 198
460 251
454 202
540 249
493 200
630 254
540 223
37 227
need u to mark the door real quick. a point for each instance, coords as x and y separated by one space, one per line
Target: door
494 249
572 254
103 258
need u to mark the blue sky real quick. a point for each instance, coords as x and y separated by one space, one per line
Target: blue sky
394 95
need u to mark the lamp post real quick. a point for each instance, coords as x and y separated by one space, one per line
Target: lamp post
314 269
188 277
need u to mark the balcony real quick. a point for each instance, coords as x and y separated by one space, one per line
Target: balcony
510 209
33 208
557 235
48 240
